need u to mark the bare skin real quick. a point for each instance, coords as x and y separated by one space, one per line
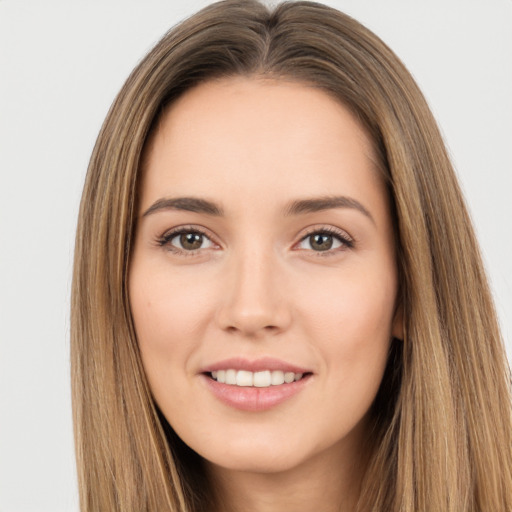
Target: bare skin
265 238
301 489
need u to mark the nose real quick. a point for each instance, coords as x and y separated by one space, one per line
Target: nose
254 301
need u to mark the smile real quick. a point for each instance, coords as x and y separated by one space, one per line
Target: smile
260 379
255 385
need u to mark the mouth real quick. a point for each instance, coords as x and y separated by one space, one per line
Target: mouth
256 385
259 379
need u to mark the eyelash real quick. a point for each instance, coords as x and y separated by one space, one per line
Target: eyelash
166 238
346 241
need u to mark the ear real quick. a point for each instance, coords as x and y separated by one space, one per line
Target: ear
397 327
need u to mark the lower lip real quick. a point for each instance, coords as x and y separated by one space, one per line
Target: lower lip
252 398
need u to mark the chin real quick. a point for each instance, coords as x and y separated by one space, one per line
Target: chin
257 461
270 452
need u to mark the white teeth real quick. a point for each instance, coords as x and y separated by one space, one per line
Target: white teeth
243 378
277 378
230 377
263 379
289 377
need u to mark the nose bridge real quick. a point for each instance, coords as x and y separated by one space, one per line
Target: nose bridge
254 301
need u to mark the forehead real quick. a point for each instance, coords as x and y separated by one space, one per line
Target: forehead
265 138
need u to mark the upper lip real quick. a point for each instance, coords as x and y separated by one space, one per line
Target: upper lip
256 365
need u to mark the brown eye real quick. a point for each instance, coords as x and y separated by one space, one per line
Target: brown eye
186 241
321 242
326 241
191 241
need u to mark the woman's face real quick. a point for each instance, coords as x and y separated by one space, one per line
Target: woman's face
263 280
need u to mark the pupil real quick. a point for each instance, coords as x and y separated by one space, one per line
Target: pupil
321 242
191 241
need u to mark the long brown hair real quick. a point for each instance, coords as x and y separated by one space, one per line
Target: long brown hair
442 433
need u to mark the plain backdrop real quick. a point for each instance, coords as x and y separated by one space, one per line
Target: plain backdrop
61 64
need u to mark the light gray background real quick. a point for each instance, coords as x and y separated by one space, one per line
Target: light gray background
62 62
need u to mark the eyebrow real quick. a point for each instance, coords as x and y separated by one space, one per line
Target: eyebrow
189 204
319 204
299 207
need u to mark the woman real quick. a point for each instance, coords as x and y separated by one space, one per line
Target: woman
278 298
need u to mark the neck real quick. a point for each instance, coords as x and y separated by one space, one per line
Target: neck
327 483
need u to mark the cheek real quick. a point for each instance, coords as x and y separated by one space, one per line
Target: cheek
168 311
352 333
355 305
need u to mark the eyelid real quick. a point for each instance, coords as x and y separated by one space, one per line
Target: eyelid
347 241
165 239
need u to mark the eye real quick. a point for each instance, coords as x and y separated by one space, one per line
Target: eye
326 240
185 240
